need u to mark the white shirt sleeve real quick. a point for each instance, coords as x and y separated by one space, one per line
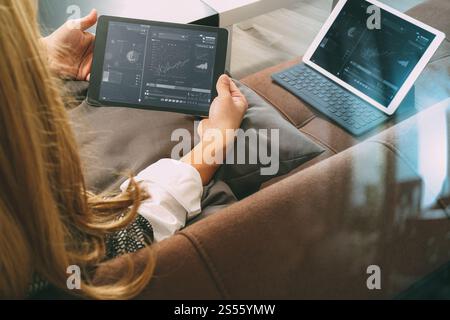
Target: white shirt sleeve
175 191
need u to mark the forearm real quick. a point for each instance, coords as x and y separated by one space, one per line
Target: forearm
209 154
202 162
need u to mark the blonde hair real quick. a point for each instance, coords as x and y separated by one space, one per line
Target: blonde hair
48 221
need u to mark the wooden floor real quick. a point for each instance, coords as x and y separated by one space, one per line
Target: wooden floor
283 34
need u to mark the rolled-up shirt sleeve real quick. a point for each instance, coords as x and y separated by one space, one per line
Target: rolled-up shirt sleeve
175 191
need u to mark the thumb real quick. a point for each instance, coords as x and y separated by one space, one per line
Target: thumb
223 86
86 22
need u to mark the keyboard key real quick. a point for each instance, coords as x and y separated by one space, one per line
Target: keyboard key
361 122
290 76
378 116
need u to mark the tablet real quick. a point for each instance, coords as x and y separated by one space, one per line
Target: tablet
156 65
374 51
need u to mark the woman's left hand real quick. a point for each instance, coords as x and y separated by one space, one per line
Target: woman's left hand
70 48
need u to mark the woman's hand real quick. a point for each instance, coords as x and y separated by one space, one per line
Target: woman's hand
227 110
70 48
218 132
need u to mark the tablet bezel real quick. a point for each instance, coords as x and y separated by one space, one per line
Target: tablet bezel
407 85
99 55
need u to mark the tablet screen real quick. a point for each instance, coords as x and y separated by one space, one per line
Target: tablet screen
377 62
154 65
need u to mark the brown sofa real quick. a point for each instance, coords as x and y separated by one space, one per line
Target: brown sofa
313 235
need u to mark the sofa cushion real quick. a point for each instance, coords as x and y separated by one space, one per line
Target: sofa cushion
117 141
295 148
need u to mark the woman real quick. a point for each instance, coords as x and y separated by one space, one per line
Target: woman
48 219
